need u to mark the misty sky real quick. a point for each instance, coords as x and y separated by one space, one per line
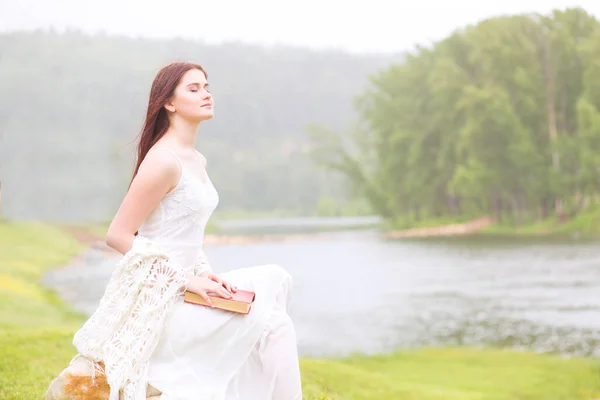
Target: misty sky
356 26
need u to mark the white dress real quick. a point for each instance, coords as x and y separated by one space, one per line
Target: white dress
210 354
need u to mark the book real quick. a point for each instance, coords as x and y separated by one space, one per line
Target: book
241 302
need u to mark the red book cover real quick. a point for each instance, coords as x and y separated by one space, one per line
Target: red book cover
241 302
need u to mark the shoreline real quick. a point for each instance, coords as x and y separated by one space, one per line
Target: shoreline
458 229
584 225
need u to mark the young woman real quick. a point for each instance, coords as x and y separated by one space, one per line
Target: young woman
186 351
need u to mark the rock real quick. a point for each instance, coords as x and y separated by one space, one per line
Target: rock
75 383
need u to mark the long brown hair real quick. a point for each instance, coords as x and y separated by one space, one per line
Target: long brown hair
157 121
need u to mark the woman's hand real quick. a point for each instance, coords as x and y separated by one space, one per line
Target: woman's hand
202 285
216 278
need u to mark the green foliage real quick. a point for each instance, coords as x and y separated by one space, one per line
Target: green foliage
501 119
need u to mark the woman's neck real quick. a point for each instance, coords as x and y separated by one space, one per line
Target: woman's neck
182 132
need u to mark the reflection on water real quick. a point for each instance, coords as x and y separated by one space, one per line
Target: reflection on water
354 292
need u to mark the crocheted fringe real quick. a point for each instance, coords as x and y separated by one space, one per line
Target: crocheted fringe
95 367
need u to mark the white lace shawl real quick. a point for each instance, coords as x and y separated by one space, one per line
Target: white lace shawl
127 325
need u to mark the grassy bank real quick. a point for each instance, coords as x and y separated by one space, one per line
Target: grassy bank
583 225
36 331
454 374
35 326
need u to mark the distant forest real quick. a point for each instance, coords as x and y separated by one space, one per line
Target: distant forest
71 106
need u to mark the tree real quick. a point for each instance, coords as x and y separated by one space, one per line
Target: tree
498 118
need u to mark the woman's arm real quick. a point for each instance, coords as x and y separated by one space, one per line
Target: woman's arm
157 175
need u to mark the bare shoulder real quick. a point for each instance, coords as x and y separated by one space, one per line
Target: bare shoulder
157 175
159 167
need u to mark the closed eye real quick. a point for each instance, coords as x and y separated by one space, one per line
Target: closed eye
193 85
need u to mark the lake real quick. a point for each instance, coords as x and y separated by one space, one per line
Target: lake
356 292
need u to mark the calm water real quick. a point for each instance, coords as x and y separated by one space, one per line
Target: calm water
354 292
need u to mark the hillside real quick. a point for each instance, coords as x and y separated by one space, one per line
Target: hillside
71 106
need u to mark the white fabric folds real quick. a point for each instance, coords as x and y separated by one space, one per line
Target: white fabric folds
127 325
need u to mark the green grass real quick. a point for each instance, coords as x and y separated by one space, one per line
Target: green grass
584 225
26 252
30 359
36 330
454 374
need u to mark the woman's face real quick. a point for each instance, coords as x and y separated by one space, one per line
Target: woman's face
192 100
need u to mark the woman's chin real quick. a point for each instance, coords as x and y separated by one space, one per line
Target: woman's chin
205 116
